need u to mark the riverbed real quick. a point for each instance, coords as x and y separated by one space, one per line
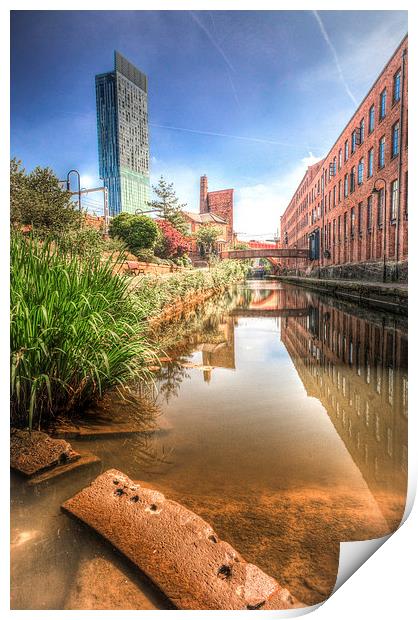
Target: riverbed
283 418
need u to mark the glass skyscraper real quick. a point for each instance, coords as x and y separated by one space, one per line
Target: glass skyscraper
122 128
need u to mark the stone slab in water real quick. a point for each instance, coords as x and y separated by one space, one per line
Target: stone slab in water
85 459
34 452
174 547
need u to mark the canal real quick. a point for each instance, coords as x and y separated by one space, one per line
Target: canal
283 421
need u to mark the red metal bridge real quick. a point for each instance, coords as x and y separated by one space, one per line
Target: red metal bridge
266 253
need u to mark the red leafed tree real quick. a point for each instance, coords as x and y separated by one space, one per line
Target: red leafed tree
172 243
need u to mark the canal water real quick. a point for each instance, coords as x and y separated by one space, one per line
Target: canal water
283 424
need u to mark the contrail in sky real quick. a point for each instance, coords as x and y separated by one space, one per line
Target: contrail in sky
334 53
227 135
216 45
234 90
212 40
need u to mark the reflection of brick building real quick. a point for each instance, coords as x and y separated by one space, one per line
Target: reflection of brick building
220 203
222 354
358 371
334 210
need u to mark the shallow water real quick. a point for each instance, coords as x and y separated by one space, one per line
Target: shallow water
285 417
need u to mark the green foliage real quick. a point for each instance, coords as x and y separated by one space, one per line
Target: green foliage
266 264
139 232
74 331
115 245
153 293
36 199
86 241
183 261
167 205
206 236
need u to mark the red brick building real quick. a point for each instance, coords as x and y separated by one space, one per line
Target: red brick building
196 220
261 245
351 208
220 203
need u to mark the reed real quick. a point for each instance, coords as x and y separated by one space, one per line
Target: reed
74 331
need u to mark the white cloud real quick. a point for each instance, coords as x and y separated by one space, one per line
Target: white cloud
258 207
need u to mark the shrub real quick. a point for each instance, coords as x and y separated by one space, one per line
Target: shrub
172 243
74 332
139 232
147 256
86 241
115 245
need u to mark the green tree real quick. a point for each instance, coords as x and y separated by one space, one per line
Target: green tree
206 237
37 199
139 232
167 205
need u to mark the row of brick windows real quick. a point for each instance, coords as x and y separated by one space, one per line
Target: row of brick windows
348 185
357 138
352 221
370 160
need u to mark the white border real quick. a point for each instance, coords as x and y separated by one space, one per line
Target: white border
385 586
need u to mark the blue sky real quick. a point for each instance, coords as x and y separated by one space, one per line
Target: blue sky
247 97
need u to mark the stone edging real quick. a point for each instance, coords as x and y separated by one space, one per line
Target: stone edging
389 298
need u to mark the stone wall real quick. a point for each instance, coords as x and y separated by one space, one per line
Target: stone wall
366 271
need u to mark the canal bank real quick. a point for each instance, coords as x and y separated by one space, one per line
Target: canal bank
389 296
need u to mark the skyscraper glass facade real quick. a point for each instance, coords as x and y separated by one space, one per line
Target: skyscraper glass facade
122 127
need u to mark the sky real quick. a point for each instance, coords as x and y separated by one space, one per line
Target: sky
249 98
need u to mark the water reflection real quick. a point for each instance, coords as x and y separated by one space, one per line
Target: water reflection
281 359
357 369
353 362
286 428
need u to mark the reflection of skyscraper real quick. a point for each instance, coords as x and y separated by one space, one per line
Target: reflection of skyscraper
358 371
122 127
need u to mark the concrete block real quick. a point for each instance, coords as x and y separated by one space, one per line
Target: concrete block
175 548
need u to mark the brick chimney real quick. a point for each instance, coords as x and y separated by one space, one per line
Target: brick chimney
204 194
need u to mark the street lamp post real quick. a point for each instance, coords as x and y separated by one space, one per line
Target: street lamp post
79 186
377 191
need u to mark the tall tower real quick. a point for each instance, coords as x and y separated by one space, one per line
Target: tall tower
122 128
204 194
220 203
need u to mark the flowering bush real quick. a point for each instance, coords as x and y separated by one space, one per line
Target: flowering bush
172 243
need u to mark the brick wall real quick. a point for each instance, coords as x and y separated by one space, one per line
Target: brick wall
222 203
95 221
263 245
319 208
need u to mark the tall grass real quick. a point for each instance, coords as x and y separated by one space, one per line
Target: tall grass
152 294
74 331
